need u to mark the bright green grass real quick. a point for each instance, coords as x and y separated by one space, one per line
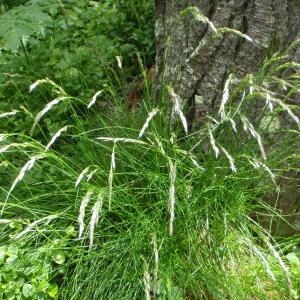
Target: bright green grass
217 250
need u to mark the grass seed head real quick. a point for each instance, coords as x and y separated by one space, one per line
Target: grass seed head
9 114
80 177
119 61
82 208
124 140
265 263
269 102
93 101
156 267
26 168
225 97
111 175
32 225
146 125
94 219
177 109
5 221
36 83
233 125
89 176
199 16
146 280
3 137
213 143
255 134
47 108
231 160
281 264
172 178
15 145
56 136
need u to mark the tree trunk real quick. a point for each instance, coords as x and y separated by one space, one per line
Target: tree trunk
196 65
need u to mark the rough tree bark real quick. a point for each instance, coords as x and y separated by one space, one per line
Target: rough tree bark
198 77
272 25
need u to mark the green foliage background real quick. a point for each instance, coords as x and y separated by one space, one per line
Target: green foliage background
74 43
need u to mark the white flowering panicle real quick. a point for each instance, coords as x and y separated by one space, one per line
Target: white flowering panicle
82 208
93 101
146 125
81 175
94 220
56 136
172 178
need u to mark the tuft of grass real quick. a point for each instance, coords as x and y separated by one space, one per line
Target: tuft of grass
170 216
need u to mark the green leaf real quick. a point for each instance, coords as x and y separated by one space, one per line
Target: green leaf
29 270
12 250
28 290
59 258
23 21
52 291
295 263
3 250
70 231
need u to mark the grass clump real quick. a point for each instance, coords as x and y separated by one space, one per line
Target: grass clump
127 206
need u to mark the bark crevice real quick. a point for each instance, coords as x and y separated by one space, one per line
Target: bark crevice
268 22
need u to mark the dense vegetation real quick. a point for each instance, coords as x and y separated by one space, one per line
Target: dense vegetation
99 201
